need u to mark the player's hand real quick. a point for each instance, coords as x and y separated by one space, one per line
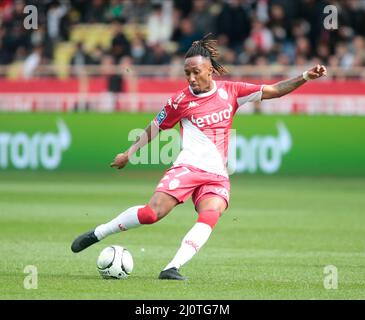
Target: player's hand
120 161
317 72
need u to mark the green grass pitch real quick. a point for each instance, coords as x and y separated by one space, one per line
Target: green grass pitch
273 242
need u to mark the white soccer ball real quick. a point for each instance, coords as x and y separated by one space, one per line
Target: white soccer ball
115 262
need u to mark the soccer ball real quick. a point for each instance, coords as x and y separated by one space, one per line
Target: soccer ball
115 262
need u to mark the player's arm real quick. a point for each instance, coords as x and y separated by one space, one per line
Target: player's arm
282 88
166 119
121 159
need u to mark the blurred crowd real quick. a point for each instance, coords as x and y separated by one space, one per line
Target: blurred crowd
255 32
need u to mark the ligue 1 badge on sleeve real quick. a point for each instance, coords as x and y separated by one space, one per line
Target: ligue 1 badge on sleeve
161 116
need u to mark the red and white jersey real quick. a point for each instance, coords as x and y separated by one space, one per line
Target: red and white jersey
205 122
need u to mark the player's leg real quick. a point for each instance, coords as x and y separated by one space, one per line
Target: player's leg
158 207
210 209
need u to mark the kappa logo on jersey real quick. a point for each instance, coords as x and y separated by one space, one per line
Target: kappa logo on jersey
193 104
161 116
214 117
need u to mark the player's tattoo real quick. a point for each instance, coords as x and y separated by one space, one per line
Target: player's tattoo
289 85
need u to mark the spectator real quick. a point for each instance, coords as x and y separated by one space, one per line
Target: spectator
310 11
261 60
283 59
228 56
80 7
277 24
16 15
323 52
352 14
157 55
97 55
139 11
346 58
116 10
96 12
175 67
358 49
6 10
188 35
303 47
120 45
114 79
233 21
184 7
32 62
55 13
16 37
138 50
248 53
262 37
5 54
262 10
80 58
333 61
201 17
159 23
38 36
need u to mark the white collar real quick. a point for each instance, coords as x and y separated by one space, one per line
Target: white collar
205 94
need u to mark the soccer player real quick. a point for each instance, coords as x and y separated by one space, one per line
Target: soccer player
205 110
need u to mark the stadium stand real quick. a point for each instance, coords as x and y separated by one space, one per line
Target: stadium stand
262 32
104 44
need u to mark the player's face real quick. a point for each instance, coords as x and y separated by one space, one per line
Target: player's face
198 72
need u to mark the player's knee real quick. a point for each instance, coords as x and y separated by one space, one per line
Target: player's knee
209 217
146 215
158 207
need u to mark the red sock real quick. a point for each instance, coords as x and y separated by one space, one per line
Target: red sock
209 217
146 215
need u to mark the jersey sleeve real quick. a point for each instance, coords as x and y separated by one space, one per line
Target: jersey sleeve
167 117
248 92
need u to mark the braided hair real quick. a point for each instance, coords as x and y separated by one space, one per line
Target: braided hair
207 48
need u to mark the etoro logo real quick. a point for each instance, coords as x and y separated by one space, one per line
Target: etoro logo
40 150
214 117
263 153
